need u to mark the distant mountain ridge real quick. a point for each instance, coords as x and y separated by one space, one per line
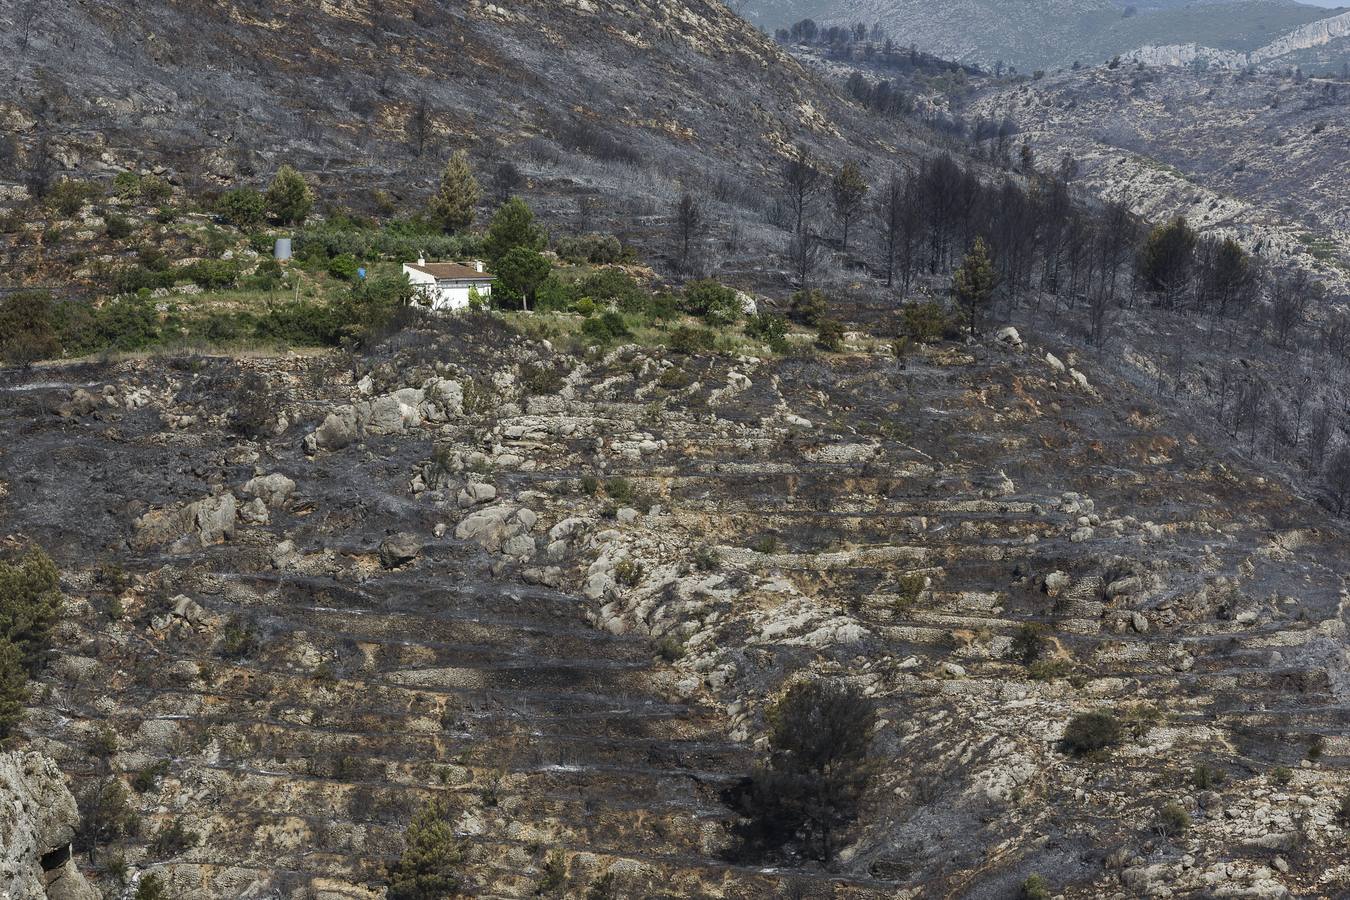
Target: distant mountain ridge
1056 33
1333 32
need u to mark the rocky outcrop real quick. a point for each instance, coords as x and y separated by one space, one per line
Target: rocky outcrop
200 524
38 817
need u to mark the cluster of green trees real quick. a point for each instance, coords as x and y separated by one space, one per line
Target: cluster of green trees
30 607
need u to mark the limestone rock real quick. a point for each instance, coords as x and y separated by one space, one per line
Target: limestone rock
273 490
38 816
399 549
337 431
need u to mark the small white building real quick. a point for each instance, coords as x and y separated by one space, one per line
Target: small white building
446 285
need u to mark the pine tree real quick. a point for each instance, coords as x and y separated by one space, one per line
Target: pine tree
13 688
513 226
973 283
289 197
1165 262
30 605
454 205
848 191
429 867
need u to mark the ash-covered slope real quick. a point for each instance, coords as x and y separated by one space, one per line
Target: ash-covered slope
1259 156
356 91
434 605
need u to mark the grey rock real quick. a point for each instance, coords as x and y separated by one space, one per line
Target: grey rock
337 431
399 549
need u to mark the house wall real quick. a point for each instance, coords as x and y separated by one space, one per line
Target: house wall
444 295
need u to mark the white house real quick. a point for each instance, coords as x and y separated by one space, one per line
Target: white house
446 285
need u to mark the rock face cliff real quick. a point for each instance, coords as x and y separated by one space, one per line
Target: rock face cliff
1327 35
37 822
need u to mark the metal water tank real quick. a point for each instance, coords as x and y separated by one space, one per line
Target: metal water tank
283 249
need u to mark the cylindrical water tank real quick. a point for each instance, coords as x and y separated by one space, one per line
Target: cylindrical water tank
283 248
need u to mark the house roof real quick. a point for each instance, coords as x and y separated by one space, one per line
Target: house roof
451 271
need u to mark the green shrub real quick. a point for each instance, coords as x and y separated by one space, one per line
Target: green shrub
554 874
245 208
598 249
619 489
127 185
151 888
212 274
670 648
27 330
117 227
1028 643
1092 731
1050 670
1173 820
689 340
155 190
830 335
173 839
539 380
239 639
68 195
1204 776
607 327
146 779
343 267
908 589
1034 888
555 295
13 687
614 287
1281 775
809 307
770 329
628 573
715 303
707 559
126 324
926 322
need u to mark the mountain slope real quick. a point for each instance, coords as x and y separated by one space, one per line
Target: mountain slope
1059 32
223 91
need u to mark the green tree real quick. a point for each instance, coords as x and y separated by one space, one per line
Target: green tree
455 202
818 768
30 606
1166 258
430 866
513 226
973 283
848 191
13 688
519 274
1231 277
243 208
289 197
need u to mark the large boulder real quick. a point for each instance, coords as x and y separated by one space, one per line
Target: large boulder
273 490
37 823
393 413
399 549
203 523
337 431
